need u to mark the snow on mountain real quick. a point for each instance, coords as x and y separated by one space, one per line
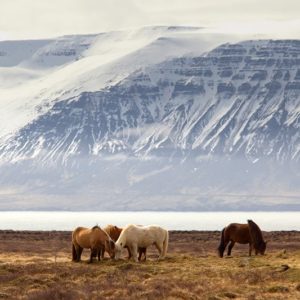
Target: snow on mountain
238 99
144 105
63 68
13 53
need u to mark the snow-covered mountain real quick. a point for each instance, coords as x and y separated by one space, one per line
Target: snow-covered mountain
150 104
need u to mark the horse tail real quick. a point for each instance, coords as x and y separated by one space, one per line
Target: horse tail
74 253
221 247
165 244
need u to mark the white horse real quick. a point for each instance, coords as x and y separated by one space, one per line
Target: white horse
134 237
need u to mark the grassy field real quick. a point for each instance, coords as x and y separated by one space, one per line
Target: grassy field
37 265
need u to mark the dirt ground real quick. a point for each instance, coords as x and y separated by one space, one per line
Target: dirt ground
37 265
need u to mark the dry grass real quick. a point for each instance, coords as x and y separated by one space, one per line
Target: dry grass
37 265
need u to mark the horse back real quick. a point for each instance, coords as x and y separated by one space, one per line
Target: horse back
157 231
88 238
148 235
80 237
77 232
113 231
237 233
133 232
97 238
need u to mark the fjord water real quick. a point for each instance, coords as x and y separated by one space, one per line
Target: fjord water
62 220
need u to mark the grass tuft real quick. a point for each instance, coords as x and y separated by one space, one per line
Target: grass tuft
278 289
229 295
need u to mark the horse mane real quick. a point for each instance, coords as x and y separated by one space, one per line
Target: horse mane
96 227
108 228
104 231
113 231
255 234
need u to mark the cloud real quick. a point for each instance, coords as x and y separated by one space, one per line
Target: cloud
36 19
58 17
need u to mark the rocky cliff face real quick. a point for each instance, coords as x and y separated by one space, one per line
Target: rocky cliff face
236 100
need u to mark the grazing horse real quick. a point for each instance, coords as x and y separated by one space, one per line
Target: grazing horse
114 233
248 233
95 239
134 237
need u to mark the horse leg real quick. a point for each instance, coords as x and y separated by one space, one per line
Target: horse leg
133 250
129 253
250 249
74 254
230 248
159 247
93 252
78 250
102 252
145 254
141 252
99 253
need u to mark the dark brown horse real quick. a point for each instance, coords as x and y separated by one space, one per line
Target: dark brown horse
248 233
114 233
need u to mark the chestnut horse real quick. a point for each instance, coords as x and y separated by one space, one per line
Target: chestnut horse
95 239
248 233
114 233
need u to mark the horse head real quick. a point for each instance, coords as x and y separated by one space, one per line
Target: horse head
261 249
257 238
119 245
110 247
115 232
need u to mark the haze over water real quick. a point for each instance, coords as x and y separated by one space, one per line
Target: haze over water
61 220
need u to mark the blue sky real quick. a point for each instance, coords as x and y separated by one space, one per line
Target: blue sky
23 19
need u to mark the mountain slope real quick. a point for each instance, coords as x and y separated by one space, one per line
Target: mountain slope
108 118
63 68
238 99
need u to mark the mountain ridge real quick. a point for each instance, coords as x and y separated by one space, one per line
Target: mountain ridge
193 103
218 125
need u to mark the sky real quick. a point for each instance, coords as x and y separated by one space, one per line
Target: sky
33 19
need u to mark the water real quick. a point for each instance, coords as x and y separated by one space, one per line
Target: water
28 220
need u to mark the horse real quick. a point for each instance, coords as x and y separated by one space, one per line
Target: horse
248 233
134 237
95 239
114 233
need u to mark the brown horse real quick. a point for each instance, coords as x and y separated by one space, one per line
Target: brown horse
95 239
248 233
114 233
